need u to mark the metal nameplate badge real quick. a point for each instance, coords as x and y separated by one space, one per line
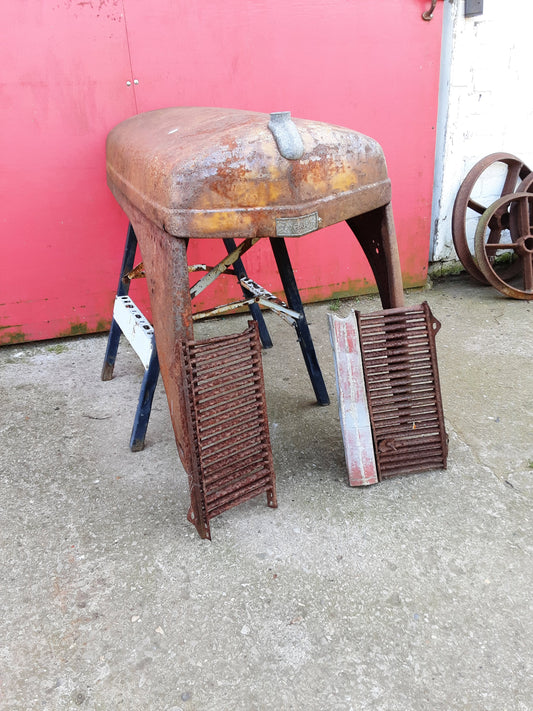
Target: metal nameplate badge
297 226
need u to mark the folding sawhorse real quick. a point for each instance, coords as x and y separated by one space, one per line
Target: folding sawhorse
129 321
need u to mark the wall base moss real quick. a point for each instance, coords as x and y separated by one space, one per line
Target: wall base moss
449 267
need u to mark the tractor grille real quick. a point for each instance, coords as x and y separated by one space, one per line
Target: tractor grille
228 412
402 383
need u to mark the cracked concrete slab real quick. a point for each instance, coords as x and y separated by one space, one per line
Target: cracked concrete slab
413 594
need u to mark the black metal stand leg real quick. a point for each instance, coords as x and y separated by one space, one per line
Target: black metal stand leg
144 406
122 290
257 315
292 295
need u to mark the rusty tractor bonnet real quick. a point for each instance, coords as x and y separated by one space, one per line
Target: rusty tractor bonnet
210 172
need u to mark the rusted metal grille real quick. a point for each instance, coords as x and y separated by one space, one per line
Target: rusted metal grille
402 382
230 426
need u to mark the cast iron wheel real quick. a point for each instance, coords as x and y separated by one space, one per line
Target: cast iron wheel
520 205
516 171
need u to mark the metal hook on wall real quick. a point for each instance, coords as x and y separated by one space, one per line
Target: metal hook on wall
428 14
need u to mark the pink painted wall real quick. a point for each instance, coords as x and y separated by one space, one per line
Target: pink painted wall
371 66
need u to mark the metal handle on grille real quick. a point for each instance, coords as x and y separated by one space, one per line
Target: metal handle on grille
435 324
287 137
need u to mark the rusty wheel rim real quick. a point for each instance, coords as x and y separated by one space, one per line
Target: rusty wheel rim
520 205
526 184
516 171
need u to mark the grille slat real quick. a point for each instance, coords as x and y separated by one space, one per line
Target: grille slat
236 467
243 495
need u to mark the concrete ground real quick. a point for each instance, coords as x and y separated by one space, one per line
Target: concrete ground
411 595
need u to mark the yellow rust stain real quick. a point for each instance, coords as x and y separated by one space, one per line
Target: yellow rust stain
219 222
319 178
342 181
240 186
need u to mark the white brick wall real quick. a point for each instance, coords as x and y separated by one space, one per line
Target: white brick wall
485 104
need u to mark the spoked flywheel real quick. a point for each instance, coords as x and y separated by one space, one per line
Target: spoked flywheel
496 246
466 207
